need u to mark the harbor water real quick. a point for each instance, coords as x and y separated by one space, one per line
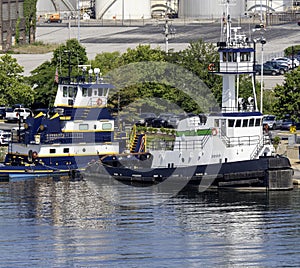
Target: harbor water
80 223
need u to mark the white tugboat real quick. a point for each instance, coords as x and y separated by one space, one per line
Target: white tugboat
229 147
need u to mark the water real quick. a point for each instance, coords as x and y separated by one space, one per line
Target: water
50 223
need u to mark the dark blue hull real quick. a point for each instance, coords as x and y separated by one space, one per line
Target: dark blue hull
256 173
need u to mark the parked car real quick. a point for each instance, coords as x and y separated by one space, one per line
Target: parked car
287 123
5 137
162 121
270 120
283 67
267 69
291 63
2 112
146 119
13 115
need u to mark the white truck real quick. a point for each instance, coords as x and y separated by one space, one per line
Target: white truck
16 114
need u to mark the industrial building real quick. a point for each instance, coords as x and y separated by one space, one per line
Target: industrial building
132 9
12 23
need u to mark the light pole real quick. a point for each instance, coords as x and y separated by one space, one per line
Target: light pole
262 41
78 7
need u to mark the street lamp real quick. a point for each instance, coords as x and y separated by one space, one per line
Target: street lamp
262 41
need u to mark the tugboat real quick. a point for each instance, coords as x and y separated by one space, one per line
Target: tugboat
228 149
79 130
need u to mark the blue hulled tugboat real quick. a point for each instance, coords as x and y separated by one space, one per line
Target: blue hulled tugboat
80 129
227 149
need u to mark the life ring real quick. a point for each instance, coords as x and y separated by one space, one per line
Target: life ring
34 155
211 67
99 102
214 131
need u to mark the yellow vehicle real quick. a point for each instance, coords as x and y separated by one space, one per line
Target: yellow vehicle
53 18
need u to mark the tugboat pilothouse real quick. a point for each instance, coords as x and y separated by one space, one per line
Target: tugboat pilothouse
230 146
80 129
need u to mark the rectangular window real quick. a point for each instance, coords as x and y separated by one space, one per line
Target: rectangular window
100 92
83 127
65 91
52 151
66 150
230 122
251 122
257 122
245 56
90 92
238 123
216 122
84 92
224 56
106 126
245 122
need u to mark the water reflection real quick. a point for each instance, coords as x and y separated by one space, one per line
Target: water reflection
65 223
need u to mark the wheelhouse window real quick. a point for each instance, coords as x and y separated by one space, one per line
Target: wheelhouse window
245 122
251 122
257 122
245 56
65 91
230 122
238 123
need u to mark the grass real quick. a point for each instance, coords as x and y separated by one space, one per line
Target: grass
34 48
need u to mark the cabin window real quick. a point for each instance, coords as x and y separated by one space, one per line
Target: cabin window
95 93
100 92
245 56
251 122
106 126
257 122
90 91
72 92
230 122
216 122
66 150
95 126
65 91
52 151
83 126
224 56
245 122
84 92
238 123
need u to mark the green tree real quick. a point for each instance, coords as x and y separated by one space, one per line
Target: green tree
13 88
288 96
65 58
196 58
29 8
